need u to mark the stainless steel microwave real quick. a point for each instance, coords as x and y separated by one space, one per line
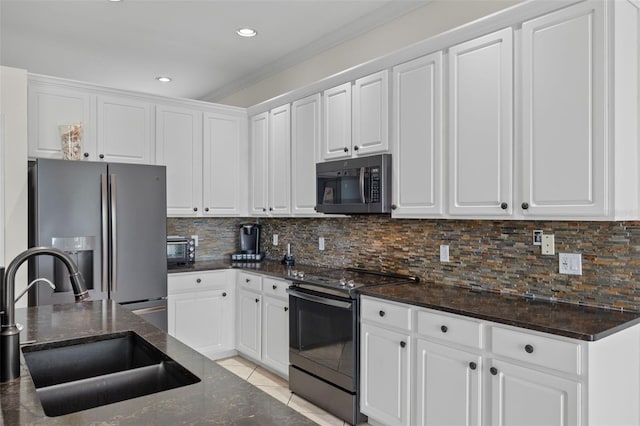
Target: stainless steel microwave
354 186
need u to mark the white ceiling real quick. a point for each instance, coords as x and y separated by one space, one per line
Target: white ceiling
127 44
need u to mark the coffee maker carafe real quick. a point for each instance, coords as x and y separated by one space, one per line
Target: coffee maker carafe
250 238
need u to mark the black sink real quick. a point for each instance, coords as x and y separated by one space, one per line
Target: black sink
78 374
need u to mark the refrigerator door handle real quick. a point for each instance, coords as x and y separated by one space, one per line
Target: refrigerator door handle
104 198
113 194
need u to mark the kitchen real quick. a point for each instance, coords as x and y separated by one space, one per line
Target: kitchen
495 252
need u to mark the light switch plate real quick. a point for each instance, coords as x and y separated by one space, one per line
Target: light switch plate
570 263
275 239
444 253
321 243
548 244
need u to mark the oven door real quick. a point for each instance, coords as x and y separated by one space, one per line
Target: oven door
322 336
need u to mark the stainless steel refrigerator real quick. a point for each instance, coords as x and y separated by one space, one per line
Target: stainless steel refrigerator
111 218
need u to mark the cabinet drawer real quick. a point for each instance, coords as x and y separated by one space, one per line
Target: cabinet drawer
390 314
450 328
195 281
251 281
274 287
535 349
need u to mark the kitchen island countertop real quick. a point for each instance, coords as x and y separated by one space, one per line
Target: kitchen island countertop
219 398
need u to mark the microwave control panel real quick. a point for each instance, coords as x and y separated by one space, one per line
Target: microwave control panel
375 184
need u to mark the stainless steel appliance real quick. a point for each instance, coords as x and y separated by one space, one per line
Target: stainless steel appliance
354 186
324 337
111 219
180 250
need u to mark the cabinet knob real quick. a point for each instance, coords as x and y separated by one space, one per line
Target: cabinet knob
270 209
493 371
264 210
525 206
504 206
206 209
346 149
444 328
274 286
315 208
198 280
528 349
195 209
86 155
101 156
381 313
247 280
286 309
403 344
393 207
257 300
473 365
224 294
355 148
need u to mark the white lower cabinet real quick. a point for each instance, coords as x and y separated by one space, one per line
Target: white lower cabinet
262 327
200 311
465 371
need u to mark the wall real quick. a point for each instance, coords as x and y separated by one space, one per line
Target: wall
434 18
13 106
497 255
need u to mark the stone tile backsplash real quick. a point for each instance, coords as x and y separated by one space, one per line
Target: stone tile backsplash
495 255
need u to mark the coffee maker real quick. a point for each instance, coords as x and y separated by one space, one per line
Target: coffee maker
249 243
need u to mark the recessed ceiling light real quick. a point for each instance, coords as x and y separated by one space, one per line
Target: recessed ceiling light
246 32
114 1
164 79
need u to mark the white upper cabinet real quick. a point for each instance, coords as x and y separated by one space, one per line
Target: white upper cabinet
480 136
52 105
179 148
224 165
563 113
336 135
305 146
125 129
371 114
417 138
259 135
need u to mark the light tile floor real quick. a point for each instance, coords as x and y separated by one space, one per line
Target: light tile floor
278 388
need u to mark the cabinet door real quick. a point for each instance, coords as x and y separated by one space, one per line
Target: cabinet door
448 386
201 320
259 136
279 182
384 375
371 114
481 125
125 129
305 146
522 396
563 113
336 135
249 333
51 106
222 165
179 148
275 343
417 135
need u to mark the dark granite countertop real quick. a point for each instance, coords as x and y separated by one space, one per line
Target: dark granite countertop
267 267
564 319
220 398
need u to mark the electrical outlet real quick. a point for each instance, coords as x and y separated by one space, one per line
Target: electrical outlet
444 253
537 237
321 243
275 239
570 263
195 239
548 244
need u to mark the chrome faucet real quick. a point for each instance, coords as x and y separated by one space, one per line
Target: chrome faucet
9 333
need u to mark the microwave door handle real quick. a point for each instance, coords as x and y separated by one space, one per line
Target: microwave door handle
362 198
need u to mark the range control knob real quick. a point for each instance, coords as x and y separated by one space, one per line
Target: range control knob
343 282
351 283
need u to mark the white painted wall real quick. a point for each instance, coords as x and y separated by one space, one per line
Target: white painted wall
436 17
13 107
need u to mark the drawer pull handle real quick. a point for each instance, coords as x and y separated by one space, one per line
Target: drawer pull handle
403 344
286 309
493 371
224 294
198 280
275 286
473 365
381 313
444 328
528 349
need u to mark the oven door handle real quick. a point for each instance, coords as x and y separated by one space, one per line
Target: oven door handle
318 299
